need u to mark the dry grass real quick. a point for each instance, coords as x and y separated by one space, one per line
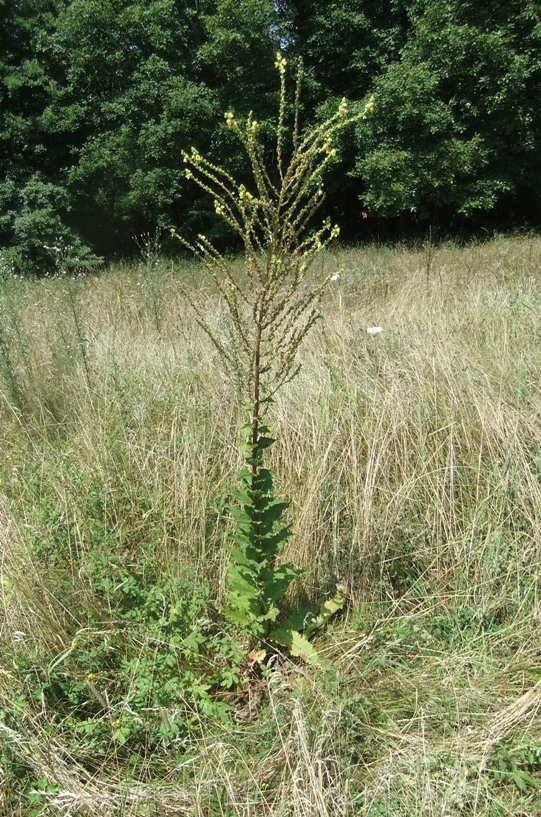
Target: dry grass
412 460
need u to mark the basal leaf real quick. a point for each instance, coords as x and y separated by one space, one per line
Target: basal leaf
297 645
327 609
300 619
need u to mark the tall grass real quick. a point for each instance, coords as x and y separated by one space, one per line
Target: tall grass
412 461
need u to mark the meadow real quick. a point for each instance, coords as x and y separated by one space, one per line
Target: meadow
411 460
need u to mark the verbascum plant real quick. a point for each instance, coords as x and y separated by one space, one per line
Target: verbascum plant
272 306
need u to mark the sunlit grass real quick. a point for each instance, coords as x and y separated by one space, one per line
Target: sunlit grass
412 461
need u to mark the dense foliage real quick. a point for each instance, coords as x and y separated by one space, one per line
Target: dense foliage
99 97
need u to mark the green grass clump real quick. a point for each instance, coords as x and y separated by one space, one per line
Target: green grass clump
411 460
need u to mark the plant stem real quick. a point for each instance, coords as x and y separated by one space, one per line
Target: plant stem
257 400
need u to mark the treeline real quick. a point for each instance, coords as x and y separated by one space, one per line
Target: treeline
99 97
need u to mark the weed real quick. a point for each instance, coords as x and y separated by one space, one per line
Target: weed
516 763
271 311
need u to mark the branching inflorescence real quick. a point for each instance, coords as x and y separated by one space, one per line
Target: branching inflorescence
272 306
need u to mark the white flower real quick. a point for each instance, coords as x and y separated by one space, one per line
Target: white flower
334 277
374 330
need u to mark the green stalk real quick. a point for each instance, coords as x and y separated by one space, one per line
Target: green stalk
257 401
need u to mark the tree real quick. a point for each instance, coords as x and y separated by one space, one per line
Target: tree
133 97
456 122
34 199
346 45
100 97
237 55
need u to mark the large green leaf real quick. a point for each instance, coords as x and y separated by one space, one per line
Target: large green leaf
328 608
297 645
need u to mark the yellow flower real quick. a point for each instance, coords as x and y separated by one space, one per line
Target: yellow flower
244 195
343 107
280 63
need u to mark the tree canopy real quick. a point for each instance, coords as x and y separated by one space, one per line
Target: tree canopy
99 97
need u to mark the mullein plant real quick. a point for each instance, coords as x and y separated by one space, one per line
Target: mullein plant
272 306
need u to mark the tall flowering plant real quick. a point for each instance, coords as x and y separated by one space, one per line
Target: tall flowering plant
272 306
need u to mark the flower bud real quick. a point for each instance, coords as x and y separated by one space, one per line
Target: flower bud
280 63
